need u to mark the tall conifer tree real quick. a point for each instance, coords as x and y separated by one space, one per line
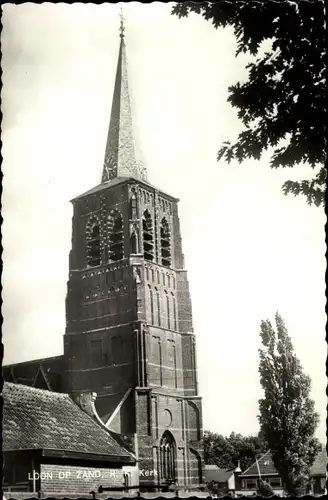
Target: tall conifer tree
287 416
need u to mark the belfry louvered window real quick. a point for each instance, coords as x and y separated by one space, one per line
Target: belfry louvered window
148 236
165 243
93 245
116 243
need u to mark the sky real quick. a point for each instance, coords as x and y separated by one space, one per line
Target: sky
249 250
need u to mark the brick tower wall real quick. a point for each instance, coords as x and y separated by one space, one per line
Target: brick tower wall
129 327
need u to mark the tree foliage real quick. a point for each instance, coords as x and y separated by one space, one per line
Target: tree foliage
227 452
282 105
287 416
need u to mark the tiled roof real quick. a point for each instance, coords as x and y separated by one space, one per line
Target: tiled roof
267 467
319 467
41 419
214 473
265 464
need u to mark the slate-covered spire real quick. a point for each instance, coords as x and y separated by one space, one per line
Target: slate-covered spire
121 156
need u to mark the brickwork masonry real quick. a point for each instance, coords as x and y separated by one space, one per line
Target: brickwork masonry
67 479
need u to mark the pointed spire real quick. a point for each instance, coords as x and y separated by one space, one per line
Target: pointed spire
121 156
122 28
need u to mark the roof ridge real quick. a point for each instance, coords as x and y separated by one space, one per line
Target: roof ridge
32 361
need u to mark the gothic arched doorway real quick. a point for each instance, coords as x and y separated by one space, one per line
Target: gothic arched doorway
168 458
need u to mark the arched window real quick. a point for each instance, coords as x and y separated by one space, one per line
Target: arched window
151 304
158 307
133 206
168 458
175 366
167 298
174 305
134 243
93 244
148 236
165 243
158 300
116 243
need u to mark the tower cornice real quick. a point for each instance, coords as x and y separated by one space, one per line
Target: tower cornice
125 180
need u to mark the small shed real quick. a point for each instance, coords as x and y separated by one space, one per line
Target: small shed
219 480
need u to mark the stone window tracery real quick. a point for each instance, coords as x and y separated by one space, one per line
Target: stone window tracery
93 243
116 242
148 236
165 243
168 458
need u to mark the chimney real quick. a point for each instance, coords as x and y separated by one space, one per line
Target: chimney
237 473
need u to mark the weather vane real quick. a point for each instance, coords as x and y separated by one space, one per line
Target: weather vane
122 22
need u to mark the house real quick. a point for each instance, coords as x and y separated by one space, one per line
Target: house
220 481
319 473
265 469
51 445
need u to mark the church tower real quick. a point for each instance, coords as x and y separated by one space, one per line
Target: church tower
129 335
